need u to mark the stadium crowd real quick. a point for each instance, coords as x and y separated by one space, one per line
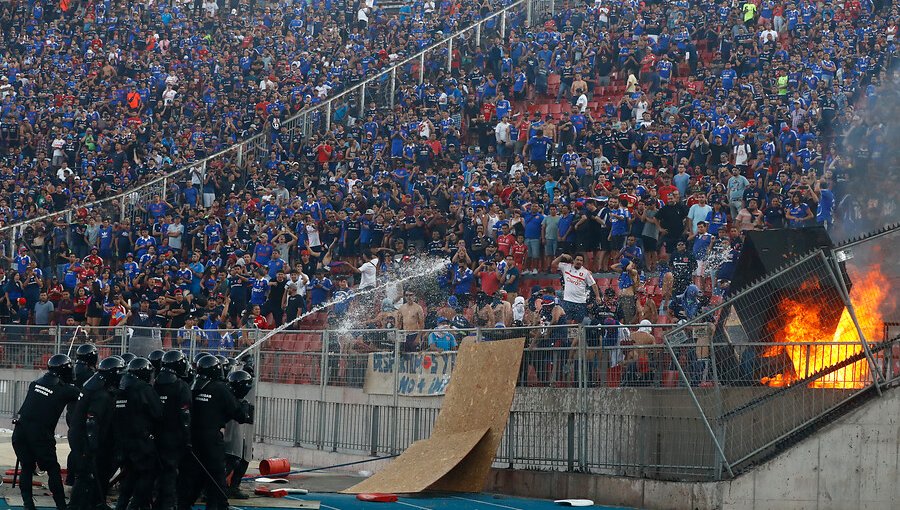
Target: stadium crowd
640 139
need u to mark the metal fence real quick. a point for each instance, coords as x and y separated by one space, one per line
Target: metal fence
820 341
611 400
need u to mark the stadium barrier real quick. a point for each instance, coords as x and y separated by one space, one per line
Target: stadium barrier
616 408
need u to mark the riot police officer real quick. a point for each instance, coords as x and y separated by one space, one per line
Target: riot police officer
85 366
85 363
91 434
138 413
213 406
155 358
32 438
238 436
174 434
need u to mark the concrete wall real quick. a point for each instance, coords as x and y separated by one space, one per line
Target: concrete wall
851 464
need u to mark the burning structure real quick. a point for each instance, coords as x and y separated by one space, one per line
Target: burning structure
799 324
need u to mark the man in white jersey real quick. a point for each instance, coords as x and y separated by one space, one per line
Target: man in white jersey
577 281
368 269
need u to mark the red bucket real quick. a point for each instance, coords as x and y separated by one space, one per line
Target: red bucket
274 466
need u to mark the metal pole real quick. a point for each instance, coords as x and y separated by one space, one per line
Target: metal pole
478 34
393 85
583 397
257 359
834 272
395 411
373 438
123 336
362 100
528 8
58 339
703 417
719 402
503 25
298 421
422 68
327 115
240 155
323 371
450 55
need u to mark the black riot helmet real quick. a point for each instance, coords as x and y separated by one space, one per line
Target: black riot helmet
198 356
230 364
87 353
61 366
175 361
246 362
226 365
140 368
240 383
111 370
155 358
127 357
209 367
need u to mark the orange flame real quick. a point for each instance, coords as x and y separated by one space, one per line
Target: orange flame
806 322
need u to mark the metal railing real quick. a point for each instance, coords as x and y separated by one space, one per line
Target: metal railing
602 399
820 344
343 108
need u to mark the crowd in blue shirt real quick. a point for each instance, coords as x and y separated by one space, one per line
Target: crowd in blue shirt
649 136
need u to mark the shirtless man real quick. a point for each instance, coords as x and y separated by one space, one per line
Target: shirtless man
412 320
502 309
448 311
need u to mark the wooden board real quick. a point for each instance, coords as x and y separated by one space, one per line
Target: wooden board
422 464
474 413
480 394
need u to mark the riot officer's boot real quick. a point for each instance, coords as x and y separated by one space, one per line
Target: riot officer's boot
236 493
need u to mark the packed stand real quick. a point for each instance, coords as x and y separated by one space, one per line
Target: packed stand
98 97
628 146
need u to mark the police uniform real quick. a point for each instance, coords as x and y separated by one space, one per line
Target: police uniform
33 439
213 406
238 450
174 434
90 436
83 372
138 413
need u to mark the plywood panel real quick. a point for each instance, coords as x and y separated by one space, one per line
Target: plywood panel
480 394
422 464
467 433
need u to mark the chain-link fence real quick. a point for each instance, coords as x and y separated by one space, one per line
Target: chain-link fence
781 355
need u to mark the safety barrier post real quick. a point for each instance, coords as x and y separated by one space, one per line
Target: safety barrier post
395 412
582 376
373 433
123 339
362 101
422 68
450 55
393 85
323 380
328 115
